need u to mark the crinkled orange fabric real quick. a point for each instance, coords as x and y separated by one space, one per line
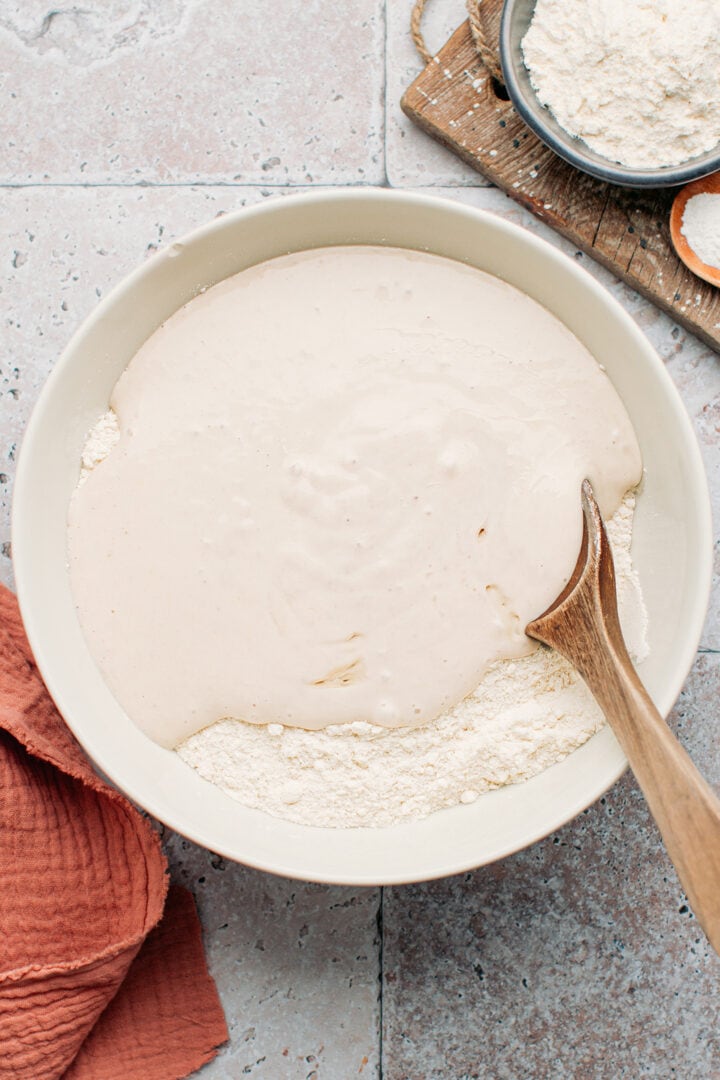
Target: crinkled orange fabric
93 986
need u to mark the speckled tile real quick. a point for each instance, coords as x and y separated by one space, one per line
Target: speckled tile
413 158
171 91
577 959
297 968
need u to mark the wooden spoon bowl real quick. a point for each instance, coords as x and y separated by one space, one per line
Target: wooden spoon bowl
707 185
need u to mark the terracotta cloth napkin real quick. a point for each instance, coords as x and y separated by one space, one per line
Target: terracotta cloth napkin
96 983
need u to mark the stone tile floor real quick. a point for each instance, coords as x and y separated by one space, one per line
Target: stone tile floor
122 126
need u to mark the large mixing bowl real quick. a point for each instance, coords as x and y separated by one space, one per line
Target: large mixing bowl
671 545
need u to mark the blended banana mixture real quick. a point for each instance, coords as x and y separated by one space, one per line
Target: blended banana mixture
344 482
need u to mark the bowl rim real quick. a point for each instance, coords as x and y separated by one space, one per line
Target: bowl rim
31 601
571 148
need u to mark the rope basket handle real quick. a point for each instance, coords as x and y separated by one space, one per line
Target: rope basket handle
477 28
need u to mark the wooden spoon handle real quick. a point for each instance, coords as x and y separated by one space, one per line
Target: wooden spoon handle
583 626
684 806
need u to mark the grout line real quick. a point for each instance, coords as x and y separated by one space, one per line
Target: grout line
230 184
380 926
10 185
385 96
381 935
386 181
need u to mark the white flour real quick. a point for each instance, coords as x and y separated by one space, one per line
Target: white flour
701 227
526 715
637 80
99 443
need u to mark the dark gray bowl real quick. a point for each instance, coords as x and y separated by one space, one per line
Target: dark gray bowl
515 22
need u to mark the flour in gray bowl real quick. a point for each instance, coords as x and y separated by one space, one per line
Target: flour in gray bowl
637 80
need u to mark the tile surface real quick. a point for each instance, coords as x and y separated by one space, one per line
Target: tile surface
413 159
577 958
297 966
172 91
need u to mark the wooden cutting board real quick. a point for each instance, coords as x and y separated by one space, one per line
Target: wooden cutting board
627 231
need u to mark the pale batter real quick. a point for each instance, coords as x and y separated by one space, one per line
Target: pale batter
345 481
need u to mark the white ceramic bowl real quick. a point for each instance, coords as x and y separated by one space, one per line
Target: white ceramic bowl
672 541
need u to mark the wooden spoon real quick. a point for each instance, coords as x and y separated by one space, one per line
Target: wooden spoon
706 185
583 626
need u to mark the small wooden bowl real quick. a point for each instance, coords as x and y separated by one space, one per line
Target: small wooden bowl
707 185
